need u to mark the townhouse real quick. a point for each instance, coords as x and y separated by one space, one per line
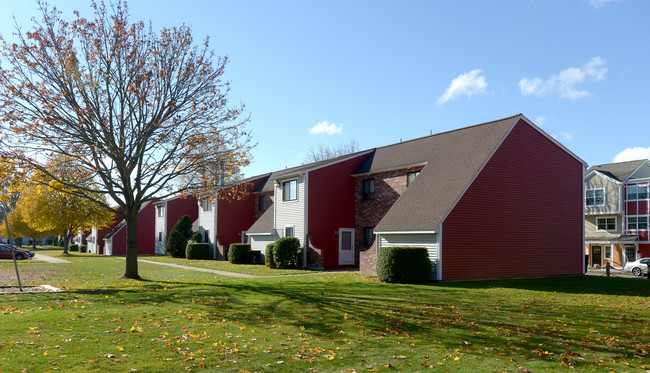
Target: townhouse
617 210
168 212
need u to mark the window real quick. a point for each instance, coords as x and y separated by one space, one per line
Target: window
630 253
206 205
411 176
367 236
606 224
637 192
608 252
159 236
637 223
261 203
595 197
368 189
288 231
161 210
290 190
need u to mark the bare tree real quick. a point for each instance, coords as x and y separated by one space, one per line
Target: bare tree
323 152
144 112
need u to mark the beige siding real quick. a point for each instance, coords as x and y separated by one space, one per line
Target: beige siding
259 242
591 226
612 195
291 212
429 241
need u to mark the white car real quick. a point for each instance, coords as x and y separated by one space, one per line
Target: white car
638 267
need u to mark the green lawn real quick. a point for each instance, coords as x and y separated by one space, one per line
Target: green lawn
178 320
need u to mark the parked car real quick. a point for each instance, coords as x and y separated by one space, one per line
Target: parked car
638 267
5 253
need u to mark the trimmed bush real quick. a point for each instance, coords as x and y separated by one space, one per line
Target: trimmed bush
268 255
197 237
74 247
406 265
83 248
287 253
197 251
178 237
239 253
254 257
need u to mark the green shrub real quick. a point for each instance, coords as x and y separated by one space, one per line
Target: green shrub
254 257
83 248
178 237
268 255
287 253
239 253
409 265
74 247
197 250
197 237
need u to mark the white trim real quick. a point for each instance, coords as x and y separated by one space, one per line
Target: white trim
293 228
591 213
391 169
605 251
260 234
406 232
645 162
282 189
591 255
294 175
439 242
607 230
603 176
352 156
306 219
627 226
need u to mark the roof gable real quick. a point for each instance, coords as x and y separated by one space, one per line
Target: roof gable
620 171
642 172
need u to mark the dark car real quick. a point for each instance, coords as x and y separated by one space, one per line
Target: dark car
5 253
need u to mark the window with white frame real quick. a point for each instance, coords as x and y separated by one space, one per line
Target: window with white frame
637 223
206 205
595 197
606 224
636 192
630 253
290 190
288 231
161 210
159 236
608 252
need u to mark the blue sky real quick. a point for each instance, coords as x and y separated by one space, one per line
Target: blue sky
381 71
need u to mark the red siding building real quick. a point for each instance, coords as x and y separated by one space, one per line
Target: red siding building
115 241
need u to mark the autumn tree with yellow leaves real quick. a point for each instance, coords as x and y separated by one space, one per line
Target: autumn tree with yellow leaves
143 113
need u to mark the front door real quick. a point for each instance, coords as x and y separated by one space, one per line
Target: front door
346 246
596 255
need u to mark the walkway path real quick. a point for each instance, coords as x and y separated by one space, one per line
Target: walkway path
232 274
49 259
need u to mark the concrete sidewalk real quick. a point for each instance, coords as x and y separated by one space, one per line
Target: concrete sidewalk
49 259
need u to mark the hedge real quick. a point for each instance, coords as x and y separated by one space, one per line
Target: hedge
408 265
268 255
239 253
287 253
74 247
195 250
254 257
83 248
197 237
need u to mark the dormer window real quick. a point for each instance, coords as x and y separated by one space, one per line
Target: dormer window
206 205
161 210
290 190
595 197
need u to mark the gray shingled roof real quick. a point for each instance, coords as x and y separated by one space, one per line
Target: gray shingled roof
264 224
617 171
453 159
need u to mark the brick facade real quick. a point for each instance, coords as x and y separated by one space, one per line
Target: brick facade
268 203
389 186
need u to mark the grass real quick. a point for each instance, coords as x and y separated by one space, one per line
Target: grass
178 320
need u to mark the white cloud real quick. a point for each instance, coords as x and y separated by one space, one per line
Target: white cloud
564 83
599 3
540 120
567 136
632 154
326 127
469 84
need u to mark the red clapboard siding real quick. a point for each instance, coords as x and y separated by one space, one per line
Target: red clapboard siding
521 217
178 207
644 250
145 230
331 206
631 208
236 214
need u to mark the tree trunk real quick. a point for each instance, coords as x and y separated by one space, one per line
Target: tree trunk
132 244
66 241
